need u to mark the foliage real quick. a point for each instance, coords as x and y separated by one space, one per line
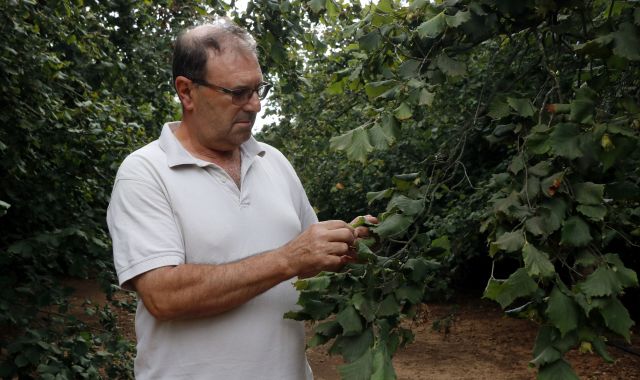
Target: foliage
83 84
546 94
475 127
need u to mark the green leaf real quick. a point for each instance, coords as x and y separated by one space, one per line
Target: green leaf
510 241
328 328
517 164
537 262
393 225
575 232
352 347
442 242
311 308
319 282
407 205
531 189
537 226
370 41
626 276
558 370
458 19
364 253
360 369
336 88
562 311
617 318
317 340
380 138
432 27
585 258
403 112
378 195
382 367
595 213
498 108
502 130
505 205
557 209
389 306
566 342
544 339
449 66
602 282
601 349
341 142
565 140
385 6
364 305
548 355
390 126
538 143
522 106
355 142
411 293
409 68
519 284
588 193
350 321
317 5
627 42
375 89
426 97
419 267
581 111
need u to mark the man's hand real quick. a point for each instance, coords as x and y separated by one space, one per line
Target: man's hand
324 246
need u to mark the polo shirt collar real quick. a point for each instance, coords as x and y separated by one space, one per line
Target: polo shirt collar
177 155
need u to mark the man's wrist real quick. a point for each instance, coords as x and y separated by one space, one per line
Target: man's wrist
283 262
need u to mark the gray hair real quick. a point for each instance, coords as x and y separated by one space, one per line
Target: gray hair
193 46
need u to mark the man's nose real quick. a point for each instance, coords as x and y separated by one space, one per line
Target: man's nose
253 105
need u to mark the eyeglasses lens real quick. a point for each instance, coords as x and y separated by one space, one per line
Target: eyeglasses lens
244 96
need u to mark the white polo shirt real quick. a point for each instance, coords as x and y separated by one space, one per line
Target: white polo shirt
170 208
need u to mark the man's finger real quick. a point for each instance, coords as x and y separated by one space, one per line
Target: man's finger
335 224
371 219
342 235
362 232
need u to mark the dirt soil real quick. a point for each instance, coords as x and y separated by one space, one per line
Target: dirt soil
481 344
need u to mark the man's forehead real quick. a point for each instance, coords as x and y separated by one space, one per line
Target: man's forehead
234 64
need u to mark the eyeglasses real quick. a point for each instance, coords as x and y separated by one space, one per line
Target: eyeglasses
240 96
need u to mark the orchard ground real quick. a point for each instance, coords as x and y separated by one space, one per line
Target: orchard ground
475 341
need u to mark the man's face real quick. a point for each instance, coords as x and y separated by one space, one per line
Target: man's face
221 124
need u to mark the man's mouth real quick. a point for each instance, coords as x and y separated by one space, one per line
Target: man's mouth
246 120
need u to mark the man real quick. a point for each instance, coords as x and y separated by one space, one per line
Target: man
210 227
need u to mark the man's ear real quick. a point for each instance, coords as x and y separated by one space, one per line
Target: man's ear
184 90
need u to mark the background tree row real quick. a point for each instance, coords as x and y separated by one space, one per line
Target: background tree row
513 133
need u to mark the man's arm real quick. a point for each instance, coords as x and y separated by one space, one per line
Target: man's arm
199 290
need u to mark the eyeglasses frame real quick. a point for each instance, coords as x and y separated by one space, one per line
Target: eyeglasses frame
237 93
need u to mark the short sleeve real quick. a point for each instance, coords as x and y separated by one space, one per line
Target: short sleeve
143 228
